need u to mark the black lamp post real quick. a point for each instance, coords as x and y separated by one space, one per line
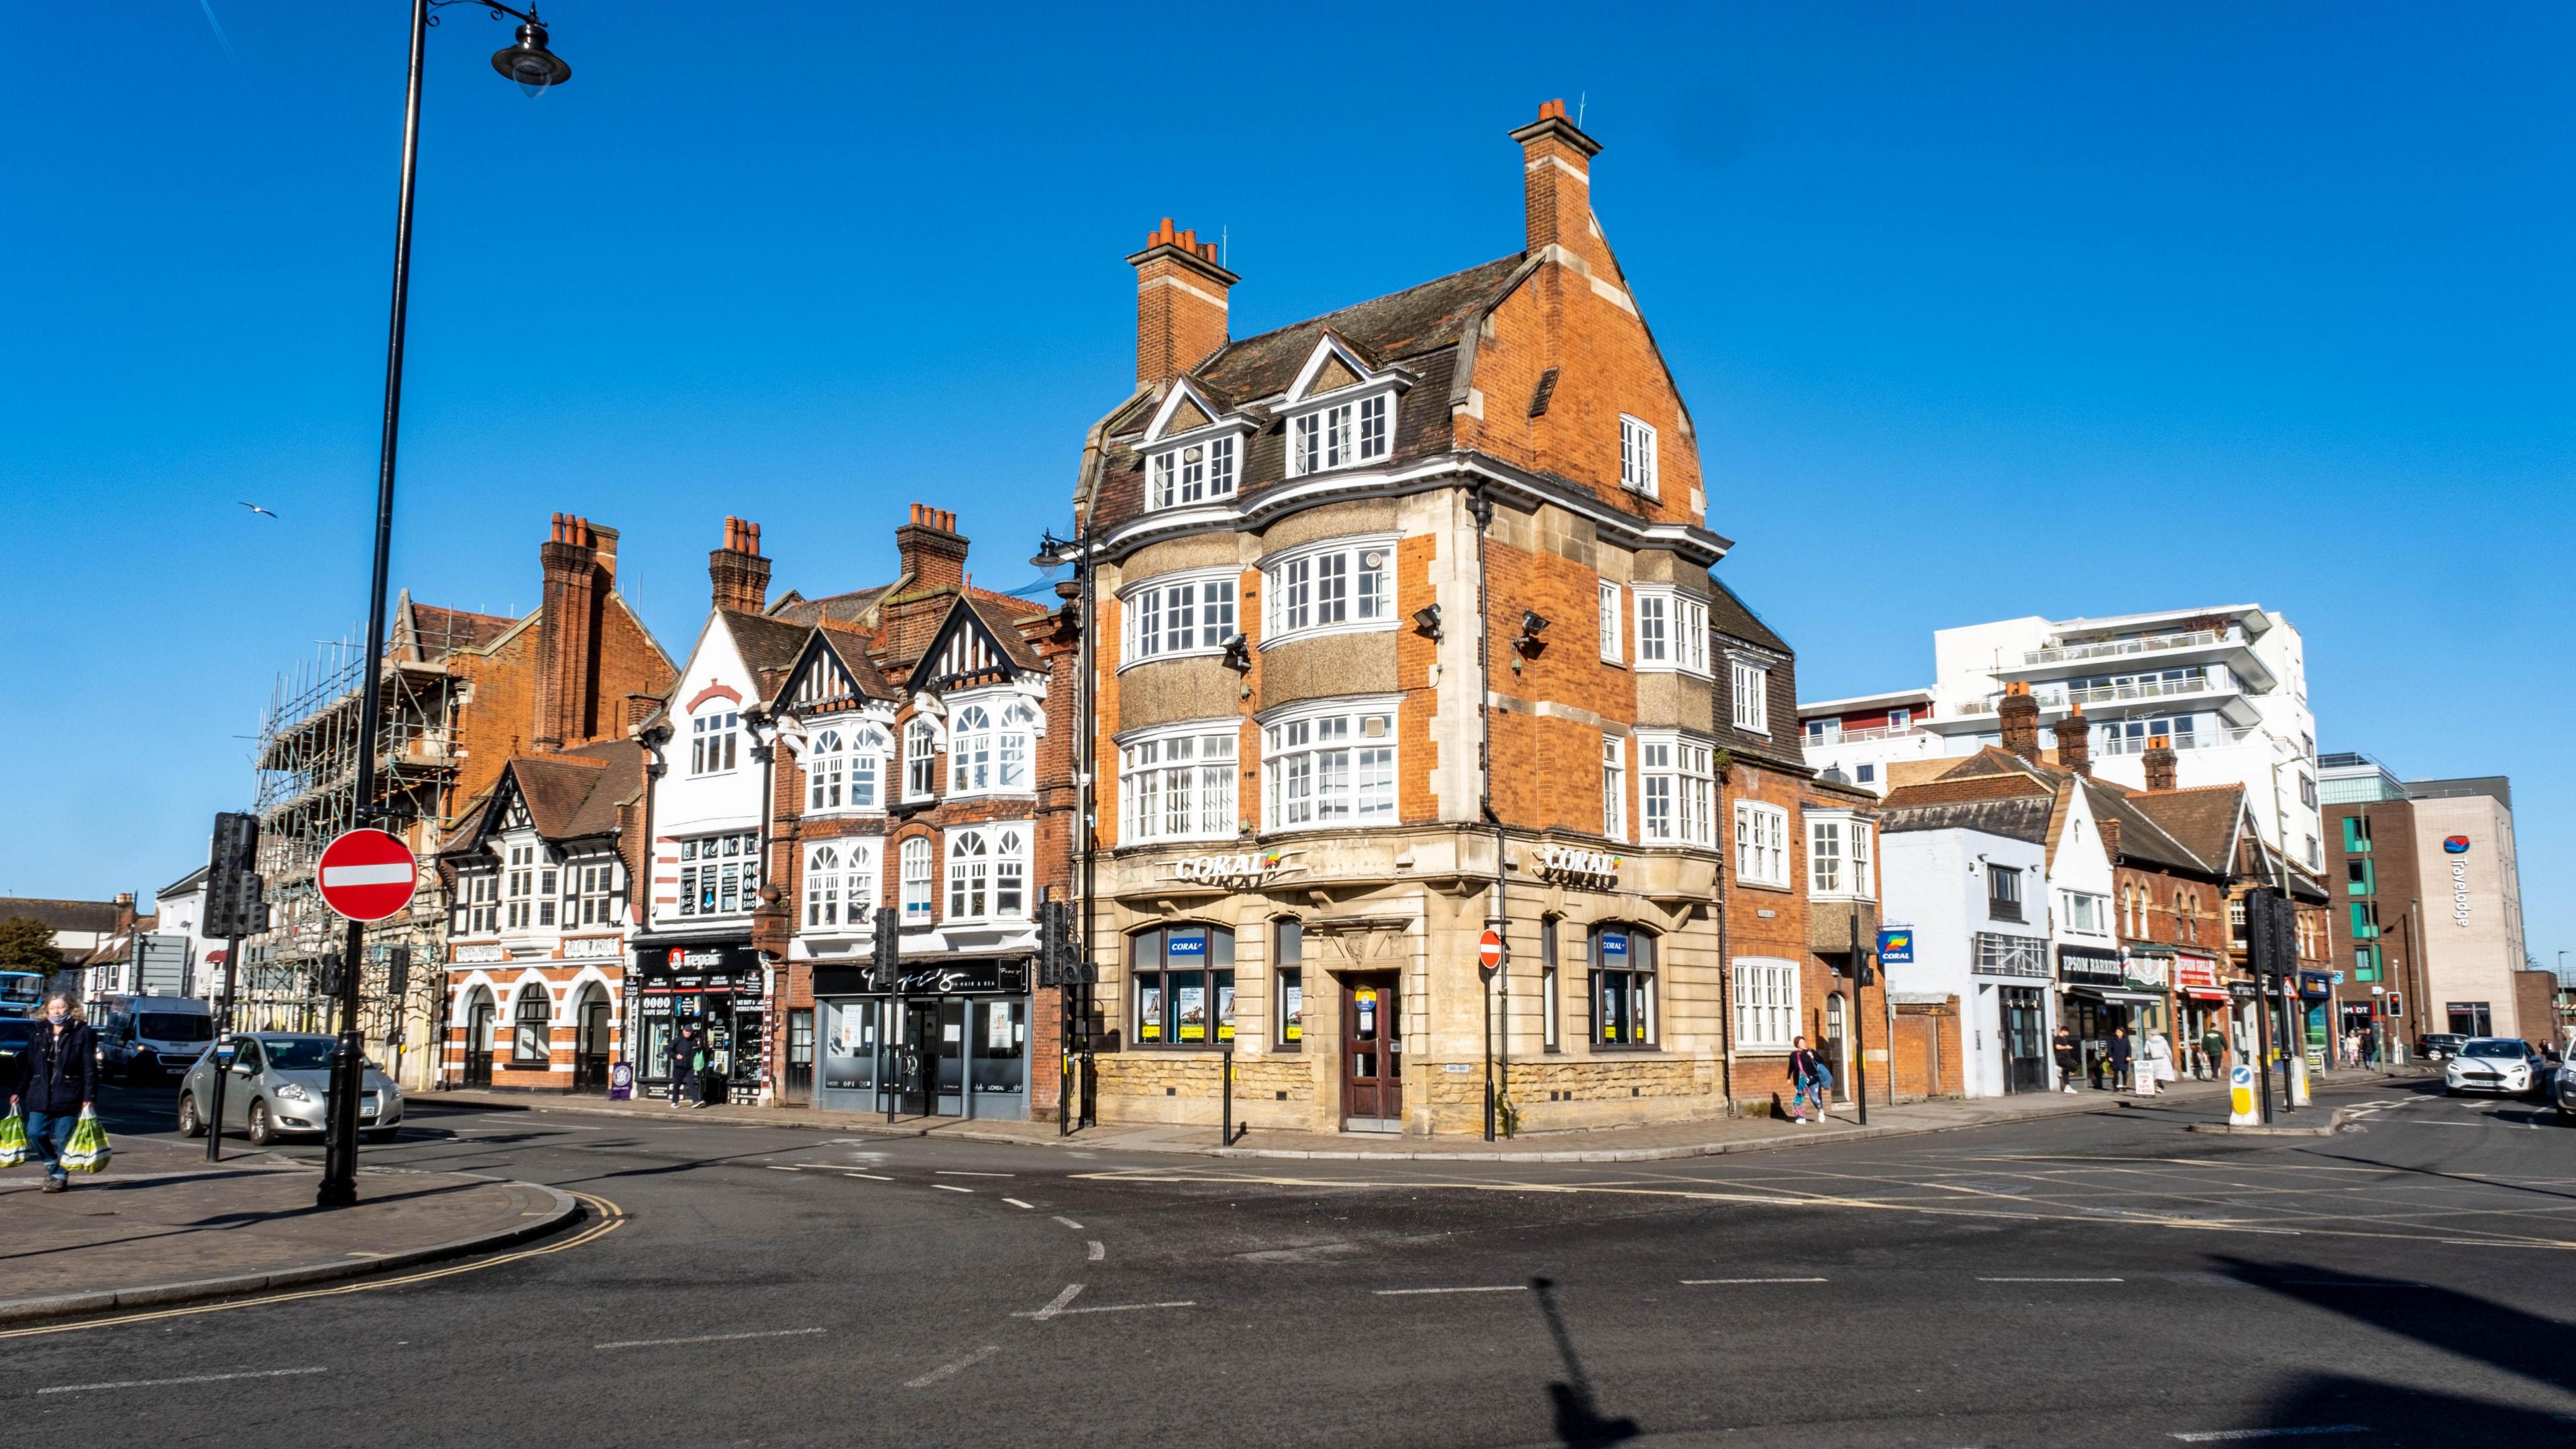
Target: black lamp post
535 68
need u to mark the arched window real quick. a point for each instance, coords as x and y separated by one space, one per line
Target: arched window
1184 985
532 1026
920 759
1013 747
970 751
824 766
840 885
1623 986
916 881
869 747
988 872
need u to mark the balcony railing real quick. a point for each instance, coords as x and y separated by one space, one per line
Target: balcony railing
2196 740
1863 736
2058 699
2145 644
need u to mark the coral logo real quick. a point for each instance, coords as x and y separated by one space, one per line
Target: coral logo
2455 844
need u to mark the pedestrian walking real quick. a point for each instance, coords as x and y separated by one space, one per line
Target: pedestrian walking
710 1074
684 1067
2069 1057
1806 1072
2158 1068
57 1080
2119 1058
2213 1048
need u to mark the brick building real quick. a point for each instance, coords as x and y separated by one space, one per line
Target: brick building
891 758
1404 628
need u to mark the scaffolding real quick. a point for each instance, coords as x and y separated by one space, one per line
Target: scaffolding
307 767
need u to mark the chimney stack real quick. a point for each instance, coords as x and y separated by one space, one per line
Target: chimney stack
933 551
2075 742
575 590
640 707
2160 762
2018 713
1556 178
1180 303
739 573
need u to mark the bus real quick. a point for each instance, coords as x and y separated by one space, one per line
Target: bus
22 993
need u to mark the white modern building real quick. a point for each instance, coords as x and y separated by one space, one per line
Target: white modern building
2227 685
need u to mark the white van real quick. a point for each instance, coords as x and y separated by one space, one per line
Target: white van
152 1038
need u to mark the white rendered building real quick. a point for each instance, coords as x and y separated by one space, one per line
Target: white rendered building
2227 685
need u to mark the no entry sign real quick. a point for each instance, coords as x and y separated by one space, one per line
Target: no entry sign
1489 948
367 875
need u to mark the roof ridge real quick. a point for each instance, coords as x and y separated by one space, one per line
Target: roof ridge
1232 343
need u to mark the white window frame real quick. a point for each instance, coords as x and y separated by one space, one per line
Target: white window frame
1148 611
593 892
1328 588
519 887
1639 470
1180 782
477 904
715 740
1766 1003
845 768
921 752
988 872
1676 789
1672 629
1174 480
1761 844
992 746
710 875
1322 769
920 880
840 886
1613 615
1748 694
2081 904
1839 846
1351 429
1614 787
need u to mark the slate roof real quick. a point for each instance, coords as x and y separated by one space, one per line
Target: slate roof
438 630
769 647
1729 615
2014 817
60 914
853 649
847 609
570 795
1995 771
1006 631
2204 819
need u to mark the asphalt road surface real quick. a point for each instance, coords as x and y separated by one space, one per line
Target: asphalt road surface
2103 1279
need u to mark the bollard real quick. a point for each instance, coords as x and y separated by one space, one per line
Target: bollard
1228 1069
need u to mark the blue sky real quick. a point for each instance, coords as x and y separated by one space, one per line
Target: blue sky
1982 310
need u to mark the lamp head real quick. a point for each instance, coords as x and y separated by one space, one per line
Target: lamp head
529 63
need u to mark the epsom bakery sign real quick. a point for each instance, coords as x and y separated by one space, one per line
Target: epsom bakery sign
1576 866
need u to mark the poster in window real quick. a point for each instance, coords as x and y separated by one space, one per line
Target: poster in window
1225 1006
1292 1010
1149 1009
1189 1012
1364 1006
997 1028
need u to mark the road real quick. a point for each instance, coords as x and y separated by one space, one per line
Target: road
2100 1279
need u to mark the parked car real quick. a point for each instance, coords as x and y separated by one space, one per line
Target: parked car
280 1084
152 1038
2563 1091
2493 1064
2439 1044
17 1034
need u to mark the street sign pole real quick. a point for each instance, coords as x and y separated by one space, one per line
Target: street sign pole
1489 960
220 1067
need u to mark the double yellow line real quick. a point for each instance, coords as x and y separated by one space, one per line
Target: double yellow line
610 1216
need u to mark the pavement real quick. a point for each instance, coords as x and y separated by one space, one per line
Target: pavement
164 1226
2095 1278
1703 1137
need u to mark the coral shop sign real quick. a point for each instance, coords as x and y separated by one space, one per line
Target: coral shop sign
1579 867
1241 869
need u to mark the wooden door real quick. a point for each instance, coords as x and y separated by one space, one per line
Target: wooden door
1372 1050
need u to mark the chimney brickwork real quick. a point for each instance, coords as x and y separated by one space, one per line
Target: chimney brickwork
2075 742
932 550
1180 303
2160 763
575 589
1556 179
739 574
2018 714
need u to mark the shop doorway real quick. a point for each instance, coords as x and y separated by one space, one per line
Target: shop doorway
590 1042
917 1062
798 1087
2025 1028
1372 1055
482 1021
1837 1048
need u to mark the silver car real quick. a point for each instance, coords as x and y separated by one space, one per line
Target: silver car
280 1083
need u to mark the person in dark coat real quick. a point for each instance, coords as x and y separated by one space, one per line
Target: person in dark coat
2070 1058
684 1068
57 1079
2119 1058
711 1079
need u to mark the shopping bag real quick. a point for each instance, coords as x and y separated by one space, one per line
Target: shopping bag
88 1151
13 1139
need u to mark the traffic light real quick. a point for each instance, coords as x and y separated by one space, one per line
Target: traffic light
236 903
886 966
2271 934
397 972
1054 949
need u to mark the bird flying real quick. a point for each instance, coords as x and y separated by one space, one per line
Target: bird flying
255 508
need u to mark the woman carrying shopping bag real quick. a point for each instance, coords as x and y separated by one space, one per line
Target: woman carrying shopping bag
57 1084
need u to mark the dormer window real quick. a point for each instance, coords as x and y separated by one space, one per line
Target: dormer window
1341 435
1193 472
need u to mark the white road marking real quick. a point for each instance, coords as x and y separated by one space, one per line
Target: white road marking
774 1167
1015 1202
2050 1280
870 1176
944 1172
2220 1436
950 1187
1098 1250
1054 1306
191 1379
1417 1292
1700 1281
946 1369
1133 1307
1070 1223
709 1338
360 1253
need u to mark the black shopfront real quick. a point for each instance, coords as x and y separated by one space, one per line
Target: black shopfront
950 1040
711 989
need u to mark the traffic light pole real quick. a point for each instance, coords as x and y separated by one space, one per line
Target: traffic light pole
221 1067
1860 1038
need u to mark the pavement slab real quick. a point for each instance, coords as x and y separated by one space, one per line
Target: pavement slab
162 1225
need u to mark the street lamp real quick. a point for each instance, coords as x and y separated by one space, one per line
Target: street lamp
535 68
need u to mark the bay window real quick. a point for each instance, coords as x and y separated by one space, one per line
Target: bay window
1179 784
988 873
1766 1003
477 912
1184 985
719 874
920 759
1676 787
840 885
842 769
1761 844
1168 618
1194 472
988 747
518 887
1333 586
1672 629
1330 766
593 901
